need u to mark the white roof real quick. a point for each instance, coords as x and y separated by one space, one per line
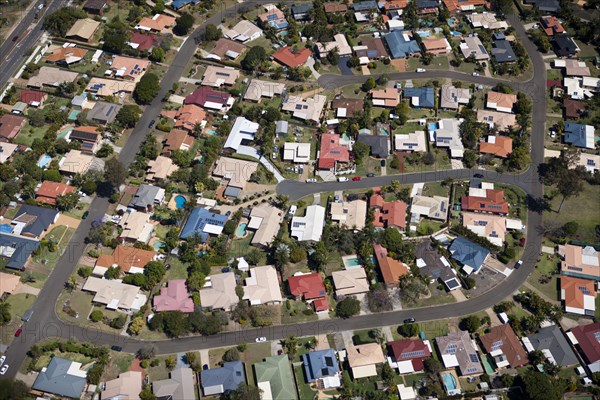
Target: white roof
406 392
309 227
243 129
262 286
296 152
414 141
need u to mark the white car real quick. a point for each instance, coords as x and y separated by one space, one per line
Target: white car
4 369
421 70
311 180
518 264
2 360
475 74
261 339
342 179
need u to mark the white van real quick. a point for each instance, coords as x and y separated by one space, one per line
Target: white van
342 179
293 209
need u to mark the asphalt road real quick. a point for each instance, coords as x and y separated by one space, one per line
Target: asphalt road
45 322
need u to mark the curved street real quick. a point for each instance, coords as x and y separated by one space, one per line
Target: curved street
44 322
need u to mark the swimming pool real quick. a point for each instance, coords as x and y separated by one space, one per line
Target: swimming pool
180 201
241 230
451 21
6 228
159 245
424 33
353 262
44 160
450 383
455 34
384 132
211 132
432 126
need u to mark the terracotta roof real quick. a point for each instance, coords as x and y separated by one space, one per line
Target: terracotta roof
573 108
457 5
308 286
376 200
395 5
49 191
493 202
414 350
156 23
503 338
174 297
188 115
144 41
331 151
552 25
177 139
574 291
391 213
391 270
10 125
321 304
67 54
32 96
128 67
291 59
335 7
500 146
500 100
126 258
223 45
587 338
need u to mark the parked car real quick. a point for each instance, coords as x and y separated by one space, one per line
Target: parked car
383 163
475 74
518 264
342 179
4 369
225 270
311 180
205 367
409 320
2 359
167 266
85 215
27 316
261 339
356 178
421 70
14 39
370 175
151 124
116 348
293 209
478 176
18 332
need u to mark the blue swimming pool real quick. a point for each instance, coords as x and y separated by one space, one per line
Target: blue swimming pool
158 245
211 132
424 33
6 228
241 230
449 381
384 132
353 262
432 126
180 201
454 33
451 21
44 160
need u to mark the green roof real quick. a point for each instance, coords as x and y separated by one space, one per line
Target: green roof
277 371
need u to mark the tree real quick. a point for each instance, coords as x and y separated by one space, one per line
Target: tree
427 58
52 175
253 58
320 256
369 84
263 315
113 273
147 88
290 346
96 316
570 228
297 254
470 158
212 33
154 272
128 115
471 323
105 150
136 326
195 281
170 363
67 202
60 21
539 386
432 365
348 307
378 300
159 7
408 330
244 392
569 186
183 24
115 36
114 173
147 352
157 55
118 322
231 355
13 389
360 150
146 394
5 315
412 288
519 158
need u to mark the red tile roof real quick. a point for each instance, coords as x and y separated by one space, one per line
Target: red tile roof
574 108
32 96
410 349
174 297
10 125
308 286
205 94
332 151
503 337
144 41
175 140
501 147
552 25
388 213
321 304
588 342
493 202
126 258
49 191
391 270
376 200
290 59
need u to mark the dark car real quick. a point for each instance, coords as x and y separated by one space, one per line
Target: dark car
478 176
370 175
151 124
167 266
14 39
383 163
85 215
205 367
116 348
18 332
225 270
409 320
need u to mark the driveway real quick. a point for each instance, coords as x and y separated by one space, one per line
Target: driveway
252 152
343 64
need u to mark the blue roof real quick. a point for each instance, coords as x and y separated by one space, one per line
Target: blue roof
426 95
23 247
56 380
199 218
427 4
43 218
575 134
468 253
399 46
364 5
301 8
230 375
503 51
177 4
320 364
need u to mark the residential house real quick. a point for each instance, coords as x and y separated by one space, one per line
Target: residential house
452 97
89 137
103 113
391 270
436 266
33 221
301 11
580 135
406 392
401 44
486 20
578 295
101 87
33 98
291 58
179 4
379 145
265 221
388 97
447 134
49 191
504 346
437 46
394 24
485 200
128 68
7 150
309 288
574 108
457 6
95 7
219 292
177 140
346 108
136 227
8 284
225 379
129 259
83 30
160 169
363 359
262 286
572 67
208 98
203 222
503 102
53 77
227 49
180 385
499 146
434 207
61 377
188 117
490 226
218 76
235 172
551 341
471 46
126 387
350 282
551 26
564 45
75 162
425 7
470 255
244 31
281 128
459 350
16 250
274 375
309 109
158 23
370 49
349 214
115 295
550 6
422 97
322 368
19 108
585 340
591 162
388 214
334 8
502 50
147 197
332 152
174 297
499 120
309 227
581 88
410 142
66 55
273 17
143 42
11 125
407 355
257 89
298 153
339 42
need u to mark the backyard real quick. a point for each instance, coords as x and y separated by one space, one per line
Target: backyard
44 261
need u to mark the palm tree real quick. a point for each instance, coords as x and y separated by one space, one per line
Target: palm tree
290 345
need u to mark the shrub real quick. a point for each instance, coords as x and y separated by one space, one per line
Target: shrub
96 316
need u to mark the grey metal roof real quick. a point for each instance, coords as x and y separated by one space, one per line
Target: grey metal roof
104 112
281 127
230 375
44 217
144 196
56 380
23 247
552 339
503 51
380 145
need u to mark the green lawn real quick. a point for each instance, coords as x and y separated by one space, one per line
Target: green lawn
255 353
44 262
435 189
44 359
178 269
363 337
304 390
29 134
159 372
437 297
118 363
440 62
427 227
297 313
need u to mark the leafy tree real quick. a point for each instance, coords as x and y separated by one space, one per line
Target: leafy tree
195 281
369 84
157 54
360 150
469 158
13 389
138 280
146 394
231 355
333 56
183 24
471 323
114 173
113 273
105 151
59 22
348 307
432 365
154 272
5 316
147 88
243 392
170 363
297 254
118 322
96 316
85 272
136 326
159 7
319 256
412 288
262 315
378 300
128 115
116 35
290 345
212 33
146 352
67 202
570 228
52 175
408 330
539 386
253 58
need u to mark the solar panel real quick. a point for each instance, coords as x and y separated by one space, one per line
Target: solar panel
329 361
473 358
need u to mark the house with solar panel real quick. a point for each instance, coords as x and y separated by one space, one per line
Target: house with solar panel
204 223
458 350
470 255
103 112
407 355
273 17
504 346
322 368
